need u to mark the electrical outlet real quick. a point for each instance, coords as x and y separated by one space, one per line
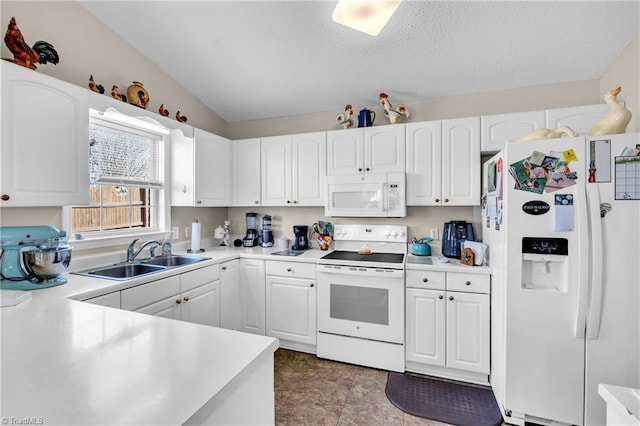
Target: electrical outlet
187 232
175 233
434 233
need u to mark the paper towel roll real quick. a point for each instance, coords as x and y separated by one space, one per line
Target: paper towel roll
195 236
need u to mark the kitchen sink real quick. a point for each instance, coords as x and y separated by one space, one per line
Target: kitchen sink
124 272
127 271
170 261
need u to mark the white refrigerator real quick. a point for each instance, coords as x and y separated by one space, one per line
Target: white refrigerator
561 218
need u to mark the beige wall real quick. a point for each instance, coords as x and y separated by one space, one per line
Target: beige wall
87 47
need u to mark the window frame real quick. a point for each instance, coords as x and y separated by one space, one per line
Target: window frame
97 239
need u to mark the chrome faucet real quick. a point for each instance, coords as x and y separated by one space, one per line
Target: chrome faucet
131 254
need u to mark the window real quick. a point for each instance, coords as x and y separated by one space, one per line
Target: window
126 167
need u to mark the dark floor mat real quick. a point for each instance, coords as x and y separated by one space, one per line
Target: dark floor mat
443 400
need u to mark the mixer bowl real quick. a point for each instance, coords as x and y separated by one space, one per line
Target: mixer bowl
46 264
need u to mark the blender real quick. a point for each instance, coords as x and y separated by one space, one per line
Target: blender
33 257
251 239
266 235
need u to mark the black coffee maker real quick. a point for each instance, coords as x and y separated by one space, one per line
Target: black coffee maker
455 233
300 237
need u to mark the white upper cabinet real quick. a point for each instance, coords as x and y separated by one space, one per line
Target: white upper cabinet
443 163
378 149
461 162
246 172
45 140
580 119
424 163
200 170
293 169
498 129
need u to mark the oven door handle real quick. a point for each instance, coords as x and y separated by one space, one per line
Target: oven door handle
355 270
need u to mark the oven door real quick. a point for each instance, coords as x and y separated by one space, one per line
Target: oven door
361 302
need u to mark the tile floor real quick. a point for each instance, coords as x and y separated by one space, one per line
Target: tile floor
313 391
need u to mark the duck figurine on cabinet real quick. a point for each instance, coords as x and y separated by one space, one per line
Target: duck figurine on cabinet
549 133
617 118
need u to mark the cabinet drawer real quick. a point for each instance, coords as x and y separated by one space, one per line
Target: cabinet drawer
146 294
469 283
291 269
193 279
432 280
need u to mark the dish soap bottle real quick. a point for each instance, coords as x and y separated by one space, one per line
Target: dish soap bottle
166 246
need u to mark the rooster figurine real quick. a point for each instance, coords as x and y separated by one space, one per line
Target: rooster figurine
181 118
41 52
119 96
393 114
344 118
163 112
98 88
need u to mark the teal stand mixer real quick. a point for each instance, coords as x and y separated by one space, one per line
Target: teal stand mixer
33 257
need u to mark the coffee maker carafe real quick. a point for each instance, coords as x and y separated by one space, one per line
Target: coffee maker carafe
251 239
300 237
266 235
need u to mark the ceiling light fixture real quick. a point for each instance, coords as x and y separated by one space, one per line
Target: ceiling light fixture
367 16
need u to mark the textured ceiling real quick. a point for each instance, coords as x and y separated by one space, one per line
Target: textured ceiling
253 60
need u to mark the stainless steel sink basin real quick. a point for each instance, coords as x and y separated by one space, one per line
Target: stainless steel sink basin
172 260
124 272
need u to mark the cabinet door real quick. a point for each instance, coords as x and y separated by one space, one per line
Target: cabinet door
44 130
252 296
384 149
182 169
230 294
468 331
276 171
246 172
461 180
309 161
426 329
291 309
499 129
580 119
146 294
212 163
202 305
167 308
424 163
345 152
111 300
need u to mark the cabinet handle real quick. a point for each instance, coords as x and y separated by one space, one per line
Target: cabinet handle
256 202
446 200
437 200
468 282
441 297
186 298
178 301
199 202
295 201
288 201
288 269
368 169
5 197
311 285
450 297
424 280
224 268
359 169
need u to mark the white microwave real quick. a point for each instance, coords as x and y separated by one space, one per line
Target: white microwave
368 195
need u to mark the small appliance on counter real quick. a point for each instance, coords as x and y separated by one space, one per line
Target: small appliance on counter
251 239
421 247
266 235
33 257
454 234
300 237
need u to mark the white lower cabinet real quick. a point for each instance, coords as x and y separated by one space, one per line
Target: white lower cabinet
291 304
252 296
230 294
447 329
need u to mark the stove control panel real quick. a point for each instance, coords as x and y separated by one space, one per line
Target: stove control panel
391 233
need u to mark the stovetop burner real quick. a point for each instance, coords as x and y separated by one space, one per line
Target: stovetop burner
373 257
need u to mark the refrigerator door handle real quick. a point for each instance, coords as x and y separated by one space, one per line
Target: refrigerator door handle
583 261
597 262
